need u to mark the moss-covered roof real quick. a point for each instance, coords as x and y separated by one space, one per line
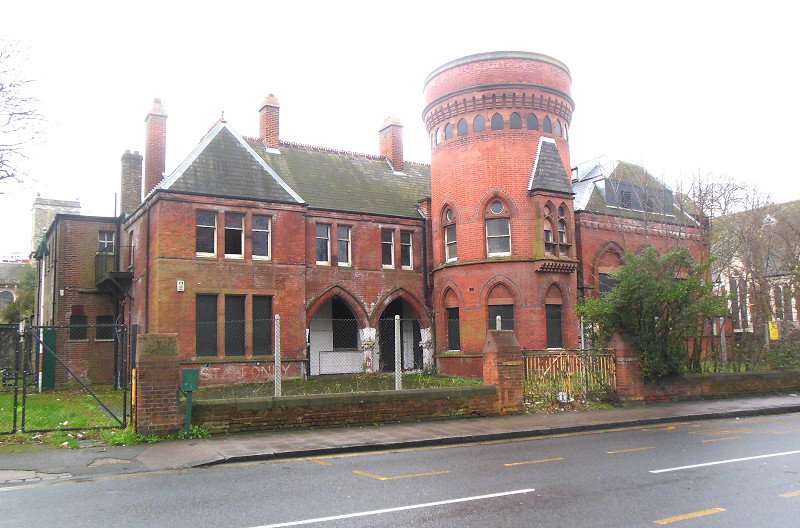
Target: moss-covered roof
345 181
226 164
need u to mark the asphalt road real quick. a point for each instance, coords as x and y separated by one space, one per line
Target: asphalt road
731 473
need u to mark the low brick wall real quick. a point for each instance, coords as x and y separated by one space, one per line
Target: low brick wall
328 410
720 385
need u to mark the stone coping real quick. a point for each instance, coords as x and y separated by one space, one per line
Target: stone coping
349 398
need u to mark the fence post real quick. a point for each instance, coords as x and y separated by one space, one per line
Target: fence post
498 323
277 364
398 356
723 344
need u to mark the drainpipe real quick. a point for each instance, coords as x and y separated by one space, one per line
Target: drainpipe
147 272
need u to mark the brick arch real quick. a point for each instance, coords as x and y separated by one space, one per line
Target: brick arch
491 194
356 306
449 285
605 248
563 289
417 307
490 284
449 203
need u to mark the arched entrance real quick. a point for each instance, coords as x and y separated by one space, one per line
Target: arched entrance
410 337
333 340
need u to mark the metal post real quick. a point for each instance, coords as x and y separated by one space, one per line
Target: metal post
398 356
498 323
277 355
724 344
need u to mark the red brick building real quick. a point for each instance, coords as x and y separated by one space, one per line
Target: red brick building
338 243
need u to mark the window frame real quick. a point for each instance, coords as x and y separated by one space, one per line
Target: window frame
450 235
327 240
208 347
453 326
390 244
100 331
232 230
492 217
256 231
103 243
212 228
348 262
410 251
79 328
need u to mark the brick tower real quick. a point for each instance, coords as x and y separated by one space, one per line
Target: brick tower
502 214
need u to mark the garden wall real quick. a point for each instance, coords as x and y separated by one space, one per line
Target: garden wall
358 408
631 385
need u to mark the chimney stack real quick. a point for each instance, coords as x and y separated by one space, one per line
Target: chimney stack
155 153
268 121
391 142
131 181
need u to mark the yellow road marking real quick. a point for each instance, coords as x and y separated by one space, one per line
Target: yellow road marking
630 450
693 515
719 439
790 494
316 460
532 462
400 476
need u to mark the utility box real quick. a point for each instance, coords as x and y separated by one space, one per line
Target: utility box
190 380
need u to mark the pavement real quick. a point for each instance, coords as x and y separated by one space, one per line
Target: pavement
93 462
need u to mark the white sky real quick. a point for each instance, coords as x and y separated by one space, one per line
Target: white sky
679 87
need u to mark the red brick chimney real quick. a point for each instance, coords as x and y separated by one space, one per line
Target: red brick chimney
155 152
391 140
268 121
131 182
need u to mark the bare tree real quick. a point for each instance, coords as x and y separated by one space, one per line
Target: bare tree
20 120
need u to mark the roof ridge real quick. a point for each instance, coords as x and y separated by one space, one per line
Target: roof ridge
307 146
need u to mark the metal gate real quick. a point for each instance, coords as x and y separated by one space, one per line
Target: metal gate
67 378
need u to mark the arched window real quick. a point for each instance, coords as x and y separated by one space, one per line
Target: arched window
515 121
548 126
533 122
498 229
549 241
497 122
462 127
453 320
552 306
562 231
500 303
433 140
438 136
479 124
558 127
450 238
448 131
565 132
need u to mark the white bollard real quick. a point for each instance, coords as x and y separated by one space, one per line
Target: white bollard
398 356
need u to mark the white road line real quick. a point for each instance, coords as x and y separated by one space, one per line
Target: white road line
399 508
724 462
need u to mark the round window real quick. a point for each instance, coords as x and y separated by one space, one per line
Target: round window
497 207
449 215
547 210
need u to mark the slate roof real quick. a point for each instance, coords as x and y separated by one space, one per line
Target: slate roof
345 181
11 273
548 173
226 164
598 182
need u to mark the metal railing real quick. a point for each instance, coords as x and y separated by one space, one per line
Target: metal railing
575 373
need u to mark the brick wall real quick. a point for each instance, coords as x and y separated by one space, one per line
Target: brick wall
290 412
631 385
157 385
69 290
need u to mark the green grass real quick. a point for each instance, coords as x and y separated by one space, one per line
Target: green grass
58 410
336 384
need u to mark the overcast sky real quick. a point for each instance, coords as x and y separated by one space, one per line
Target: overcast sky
679 87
